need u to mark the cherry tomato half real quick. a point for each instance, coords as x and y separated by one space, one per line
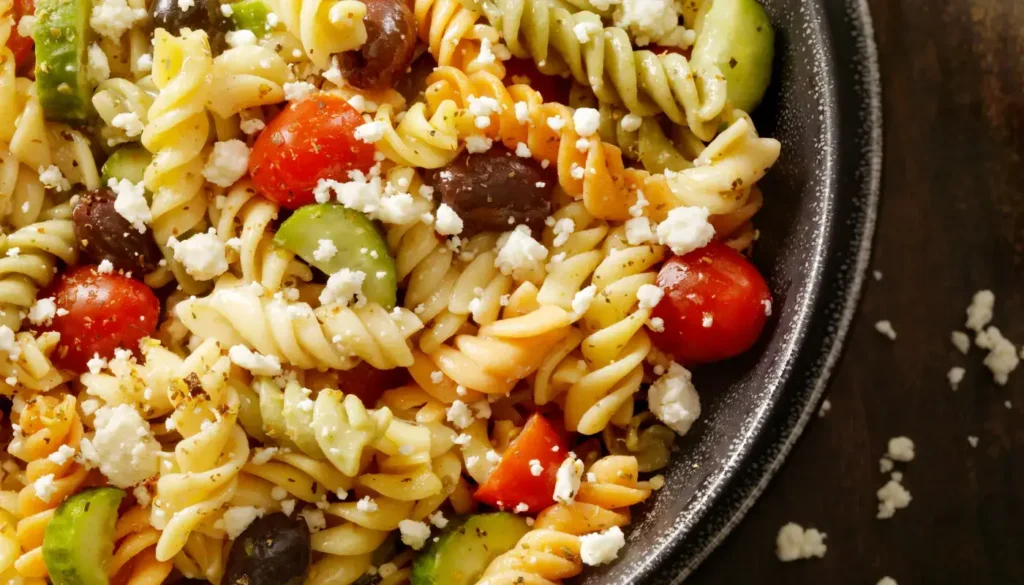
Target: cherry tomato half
23 48
311 139
512 481
716 304
104 312
368 383
552 89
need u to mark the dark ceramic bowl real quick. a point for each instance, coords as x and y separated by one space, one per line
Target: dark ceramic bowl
816 228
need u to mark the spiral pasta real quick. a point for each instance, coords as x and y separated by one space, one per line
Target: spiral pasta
176 135
31 369
247 216
455 38
246 77
8 91
204 468
134 561
325 27
329 337
420 141
124 108
47 423
38 248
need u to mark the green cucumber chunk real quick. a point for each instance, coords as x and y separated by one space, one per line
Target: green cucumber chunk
62 44
360 247
127 162
382 554
79 540
251 15
463 551
737 37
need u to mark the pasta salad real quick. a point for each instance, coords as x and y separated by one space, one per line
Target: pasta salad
363 291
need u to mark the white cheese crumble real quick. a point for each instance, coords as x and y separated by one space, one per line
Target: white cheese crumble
237 518
602 547
437 519
43 311
885 328
649 295
62 455
297 90
891 497
563 229
519 253
52 178
826 406
123 446
901 449
979 313
228 162
263 456
653 21
97 68
325 250
366 504
638 231
585 30
794 543
961 341
129 122
686 229
582 300
972 440
586 121
477 144
414 533
240 38
130 203
203 255
674 400
955 376
536 469
371 132
343 286
1002 358
448 222
567 479
255 362
315 519
45 487
459 414
111 18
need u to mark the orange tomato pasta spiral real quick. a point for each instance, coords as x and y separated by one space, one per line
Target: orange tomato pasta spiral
134 561
47 424
454 37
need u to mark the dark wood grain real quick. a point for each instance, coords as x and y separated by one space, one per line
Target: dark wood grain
952 222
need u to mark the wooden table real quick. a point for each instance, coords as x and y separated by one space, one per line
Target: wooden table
952 222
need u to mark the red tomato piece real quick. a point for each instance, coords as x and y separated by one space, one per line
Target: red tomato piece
512 482
368 383
104 312
552 89
714 286
23 48
311 139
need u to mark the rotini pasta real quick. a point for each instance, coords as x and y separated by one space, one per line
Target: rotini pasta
246 77
134 561
176 135
124 108
37 248
455 38
324 27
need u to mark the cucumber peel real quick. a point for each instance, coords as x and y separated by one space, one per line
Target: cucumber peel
251 15
465 549
737 37
360 247
79 541
62 45
127 162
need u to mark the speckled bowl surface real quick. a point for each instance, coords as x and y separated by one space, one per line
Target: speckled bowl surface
816 228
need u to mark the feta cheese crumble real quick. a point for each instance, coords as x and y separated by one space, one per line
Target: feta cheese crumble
686 229
891 497
885 328
414 533
130 203
979 312
325 250
794 542
343 286
674 400
901 449
203 255
459 414
255 362
228 162
519 254
123 446
567 479
237 518
602 547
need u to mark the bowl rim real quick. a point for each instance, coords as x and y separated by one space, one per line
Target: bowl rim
838 303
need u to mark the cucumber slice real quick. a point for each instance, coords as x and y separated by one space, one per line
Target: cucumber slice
62 42
463 551
737 37
251 15
127 162
79 540
360 247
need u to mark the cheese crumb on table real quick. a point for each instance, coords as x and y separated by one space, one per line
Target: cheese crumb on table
955 376
972 440
979 312
826 406
961 341
1002 358
885 328
891 497
901 449
887 581
795 543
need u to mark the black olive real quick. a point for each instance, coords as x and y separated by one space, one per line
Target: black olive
389 48
201 15
495 190
273 550
105 234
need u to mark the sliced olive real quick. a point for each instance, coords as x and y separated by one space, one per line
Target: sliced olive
495 190
201 15
273 550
